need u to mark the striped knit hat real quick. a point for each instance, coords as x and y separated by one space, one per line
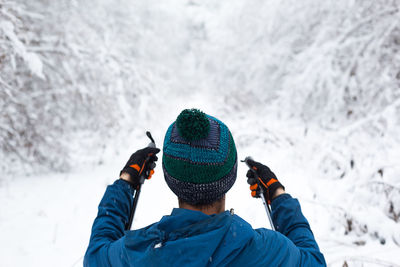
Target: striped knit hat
199 158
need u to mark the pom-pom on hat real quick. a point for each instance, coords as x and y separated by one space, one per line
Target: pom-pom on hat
199 158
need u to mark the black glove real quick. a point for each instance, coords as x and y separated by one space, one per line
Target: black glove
142 161
262 176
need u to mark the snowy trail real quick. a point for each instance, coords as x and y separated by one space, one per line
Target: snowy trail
47 218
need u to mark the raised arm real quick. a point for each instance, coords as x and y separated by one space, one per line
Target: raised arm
109 225
287 218
114 210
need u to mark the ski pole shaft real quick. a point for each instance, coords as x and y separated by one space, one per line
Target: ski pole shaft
142 177
132 213
267 209
266 206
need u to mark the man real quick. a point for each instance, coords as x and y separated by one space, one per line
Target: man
200 166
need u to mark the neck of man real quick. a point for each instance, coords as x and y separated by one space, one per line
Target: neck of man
213 208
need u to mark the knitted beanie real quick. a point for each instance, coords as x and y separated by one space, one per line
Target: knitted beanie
199 158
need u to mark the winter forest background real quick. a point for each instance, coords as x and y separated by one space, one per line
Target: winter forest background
311 88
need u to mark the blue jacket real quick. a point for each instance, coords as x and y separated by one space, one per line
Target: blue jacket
192 238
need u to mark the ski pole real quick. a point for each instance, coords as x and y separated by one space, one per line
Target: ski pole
266 206
142 177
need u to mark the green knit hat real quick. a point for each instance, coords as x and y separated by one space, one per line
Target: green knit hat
199 157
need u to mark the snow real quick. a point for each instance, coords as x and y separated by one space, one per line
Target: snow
309 88
33 61
47 218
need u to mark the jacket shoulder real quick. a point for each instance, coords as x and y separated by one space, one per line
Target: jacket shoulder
262 246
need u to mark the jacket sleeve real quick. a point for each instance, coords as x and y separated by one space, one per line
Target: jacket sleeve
290 221
106 240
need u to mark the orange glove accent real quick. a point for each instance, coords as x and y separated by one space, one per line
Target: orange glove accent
253 187
271 181
136 167
151 174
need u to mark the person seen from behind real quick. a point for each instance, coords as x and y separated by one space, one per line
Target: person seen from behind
200 164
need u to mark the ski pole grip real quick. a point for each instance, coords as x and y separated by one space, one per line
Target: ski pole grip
152 143
151 165
246 160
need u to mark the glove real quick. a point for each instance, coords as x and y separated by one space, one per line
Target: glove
262 176
142 161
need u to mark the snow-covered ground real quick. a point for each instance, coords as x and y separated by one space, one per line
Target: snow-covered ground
45 220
